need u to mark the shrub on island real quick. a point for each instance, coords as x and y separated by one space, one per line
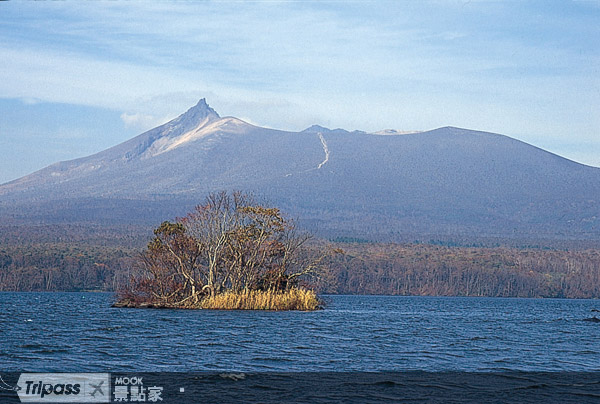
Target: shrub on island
229 253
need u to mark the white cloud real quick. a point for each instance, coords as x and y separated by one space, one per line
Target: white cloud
141 121
30 100
404 65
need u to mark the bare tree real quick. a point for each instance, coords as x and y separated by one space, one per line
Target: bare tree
230 242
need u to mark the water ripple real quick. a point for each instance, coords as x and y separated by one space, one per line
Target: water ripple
80 332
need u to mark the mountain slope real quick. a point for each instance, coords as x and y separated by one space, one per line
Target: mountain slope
190 155
444 181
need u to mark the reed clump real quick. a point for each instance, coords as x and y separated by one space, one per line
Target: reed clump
292 299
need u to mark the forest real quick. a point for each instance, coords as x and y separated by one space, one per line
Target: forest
32 259
430 270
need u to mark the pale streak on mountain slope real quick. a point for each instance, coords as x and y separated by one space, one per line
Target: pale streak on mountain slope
205 128
325 149
327 153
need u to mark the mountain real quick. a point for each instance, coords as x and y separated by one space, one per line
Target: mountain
447 181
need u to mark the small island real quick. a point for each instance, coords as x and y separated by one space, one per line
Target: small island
229 253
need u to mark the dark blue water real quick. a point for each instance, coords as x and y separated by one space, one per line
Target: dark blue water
77 332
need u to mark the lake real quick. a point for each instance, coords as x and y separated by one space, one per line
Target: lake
74 332
80 332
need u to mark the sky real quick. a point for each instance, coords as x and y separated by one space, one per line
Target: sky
79 77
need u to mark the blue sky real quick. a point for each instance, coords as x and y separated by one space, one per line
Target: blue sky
76 78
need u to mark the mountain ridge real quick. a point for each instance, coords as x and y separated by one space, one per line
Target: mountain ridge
443 181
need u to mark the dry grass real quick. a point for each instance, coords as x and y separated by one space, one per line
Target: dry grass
293 299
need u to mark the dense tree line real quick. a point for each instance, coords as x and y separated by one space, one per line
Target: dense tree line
397 269
45 258
63 267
